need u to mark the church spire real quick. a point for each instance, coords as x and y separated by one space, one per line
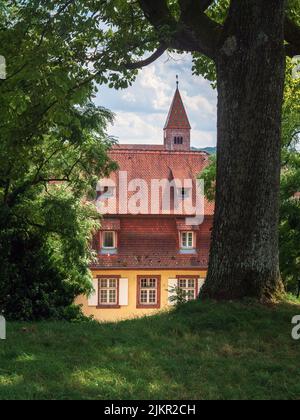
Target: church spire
177 128
177 117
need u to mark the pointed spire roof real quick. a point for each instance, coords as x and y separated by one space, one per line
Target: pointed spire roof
177 117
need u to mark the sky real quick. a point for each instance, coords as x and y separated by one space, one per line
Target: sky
142 109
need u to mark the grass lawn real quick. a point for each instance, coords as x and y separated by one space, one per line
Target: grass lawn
200 351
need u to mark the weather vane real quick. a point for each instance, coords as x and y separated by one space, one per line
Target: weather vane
177 80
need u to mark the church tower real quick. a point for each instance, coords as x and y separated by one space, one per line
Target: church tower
177 130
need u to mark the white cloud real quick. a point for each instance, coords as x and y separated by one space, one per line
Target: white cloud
141 110
154 84
138 128
198 103
129 97
203 138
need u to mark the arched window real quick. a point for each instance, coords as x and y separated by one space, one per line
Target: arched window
178 140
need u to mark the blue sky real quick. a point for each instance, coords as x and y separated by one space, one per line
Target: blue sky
141 110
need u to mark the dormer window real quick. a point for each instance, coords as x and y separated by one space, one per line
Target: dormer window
109 241
183 193
107 192
178 140
187 240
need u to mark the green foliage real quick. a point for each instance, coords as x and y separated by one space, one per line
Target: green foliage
209 178
53 150
202 65
73 313
289 229
178 296
175 356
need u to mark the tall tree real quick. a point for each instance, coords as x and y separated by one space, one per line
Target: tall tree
289 223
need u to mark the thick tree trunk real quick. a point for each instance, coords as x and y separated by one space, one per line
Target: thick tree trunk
250 65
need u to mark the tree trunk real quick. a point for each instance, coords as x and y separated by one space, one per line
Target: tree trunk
251 68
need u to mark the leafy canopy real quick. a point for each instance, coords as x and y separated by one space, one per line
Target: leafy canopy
53 150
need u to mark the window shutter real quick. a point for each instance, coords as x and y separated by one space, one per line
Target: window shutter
171 284
123 292
93 298
200 285
95 242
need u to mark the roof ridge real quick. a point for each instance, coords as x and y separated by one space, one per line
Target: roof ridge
162 151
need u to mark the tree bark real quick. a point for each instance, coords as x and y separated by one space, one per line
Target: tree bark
251 69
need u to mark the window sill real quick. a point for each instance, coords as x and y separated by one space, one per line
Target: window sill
108 307
156 306
188 251
106 251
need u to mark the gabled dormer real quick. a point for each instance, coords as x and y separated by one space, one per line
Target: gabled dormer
177 130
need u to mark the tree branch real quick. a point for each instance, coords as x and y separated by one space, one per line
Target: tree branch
195 32
197 6
292 36
139 64
158 13
204 4
196 22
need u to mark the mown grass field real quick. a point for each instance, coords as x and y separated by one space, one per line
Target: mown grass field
201 351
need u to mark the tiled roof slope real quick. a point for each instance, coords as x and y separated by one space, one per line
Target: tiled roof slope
161 164
177 117
153 243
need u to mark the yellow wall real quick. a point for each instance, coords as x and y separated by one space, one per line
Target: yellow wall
131 311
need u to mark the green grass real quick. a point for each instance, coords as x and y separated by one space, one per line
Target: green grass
201 351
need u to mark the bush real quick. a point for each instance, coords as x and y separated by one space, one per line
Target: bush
73 313
34 285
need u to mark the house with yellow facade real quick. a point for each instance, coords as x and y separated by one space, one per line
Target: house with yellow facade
148 244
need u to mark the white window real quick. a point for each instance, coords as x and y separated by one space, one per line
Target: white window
148 291
108 291
188 285
187 240
107 192
108 240
184 193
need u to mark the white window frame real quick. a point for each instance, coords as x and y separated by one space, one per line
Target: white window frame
187 246
188 288
148 289
103 239
107 289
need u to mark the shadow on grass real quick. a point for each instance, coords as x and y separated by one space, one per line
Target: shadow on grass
200 351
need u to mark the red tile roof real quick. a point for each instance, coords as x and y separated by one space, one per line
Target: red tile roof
151 165
139 147
177 117
153 242
154 261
